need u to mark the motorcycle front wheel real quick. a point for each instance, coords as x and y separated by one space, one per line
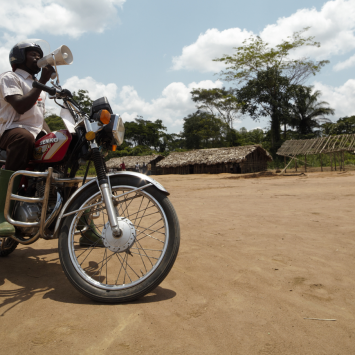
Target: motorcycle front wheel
113 269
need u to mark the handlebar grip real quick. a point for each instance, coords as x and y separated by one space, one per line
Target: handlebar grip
37 85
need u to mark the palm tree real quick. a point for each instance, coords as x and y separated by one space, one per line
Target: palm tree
306 113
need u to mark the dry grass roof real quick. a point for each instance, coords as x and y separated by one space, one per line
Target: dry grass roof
212 156
131 161
343 142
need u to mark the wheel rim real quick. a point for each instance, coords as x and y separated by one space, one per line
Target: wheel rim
109 270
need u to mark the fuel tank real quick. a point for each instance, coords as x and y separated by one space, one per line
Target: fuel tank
52 147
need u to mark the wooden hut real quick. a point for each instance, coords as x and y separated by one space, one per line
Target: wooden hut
131 161
237 160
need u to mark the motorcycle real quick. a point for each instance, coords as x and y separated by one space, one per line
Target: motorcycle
118 233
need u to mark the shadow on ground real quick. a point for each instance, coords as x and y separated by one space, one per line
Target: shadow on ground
28 272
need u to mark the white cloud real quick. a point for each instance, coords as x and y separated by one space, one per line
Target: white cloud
350 62
171 107
340 98
58 17
96 90
210 45
21 19
333 26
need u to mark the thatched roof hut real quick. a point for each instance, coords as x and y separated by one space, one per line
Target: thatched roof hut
243 159
329 144
212 156
131 161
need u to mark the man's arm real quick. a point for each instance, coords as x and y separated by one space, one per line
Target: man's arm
23 103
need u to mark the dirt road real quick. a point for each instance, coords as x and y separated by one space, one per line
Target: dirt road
257 257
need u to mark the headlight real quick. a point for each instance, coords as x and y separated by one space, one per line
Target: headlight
118 130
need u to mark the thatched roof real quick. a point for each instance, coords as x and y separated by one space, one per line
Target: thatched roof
343 142
131 161
212 156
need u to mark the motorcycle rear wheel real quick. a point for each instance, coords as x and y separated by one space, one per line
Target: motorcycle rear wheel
115 276
7 246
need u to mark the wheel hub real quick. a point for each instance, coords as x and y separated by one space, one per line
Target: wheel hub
119 244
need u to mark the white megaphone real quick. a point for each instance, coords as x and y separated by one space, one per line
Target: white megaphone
60 56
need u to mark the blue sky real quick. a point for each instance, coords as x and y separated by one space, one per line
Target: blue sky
146 56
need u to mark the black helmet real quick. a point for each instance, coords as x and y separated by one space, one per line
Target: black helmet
18 52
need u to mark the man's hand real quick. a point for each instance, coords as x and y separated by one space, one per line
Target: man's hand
47 71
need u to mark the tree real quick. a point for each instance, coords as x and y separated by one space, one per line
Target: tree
306 112
55 122
268 94
218 102
83 99
144 132
171 142
255 59
255 136
344 125
204 130
255 56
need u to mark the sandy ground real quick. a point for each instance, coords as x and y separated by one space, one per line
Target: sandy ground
257 257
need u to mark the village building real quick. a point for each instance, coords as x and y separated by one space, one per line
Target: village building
131 161
333 146
237 160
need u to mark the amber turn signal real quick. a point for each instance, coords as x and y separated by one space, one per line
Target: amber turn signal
105 117
114 147
90 136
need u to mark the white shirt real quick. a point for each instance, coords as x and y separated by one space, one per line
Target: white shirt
19 83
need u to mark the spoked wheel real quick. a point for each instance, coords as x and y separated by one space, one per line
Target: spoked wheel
108 268
7 246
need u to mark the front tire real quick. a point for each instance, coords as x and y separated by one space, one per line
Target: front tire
107 274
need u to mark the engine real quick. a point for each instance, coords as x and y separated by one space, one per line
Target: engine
28 212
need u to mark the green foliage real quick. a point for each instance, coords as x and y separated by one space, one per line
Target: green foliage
55 122
344 125
142 132
83 99
82 169
306 112
268 75
268 94
171 142
204 130
255 56
255 136
313 161
126 150
221 103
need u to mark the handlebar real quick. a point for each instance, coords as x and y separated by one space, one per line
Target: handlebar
37 85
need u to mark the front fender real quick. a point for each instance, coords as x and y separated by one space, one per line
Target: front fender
146 178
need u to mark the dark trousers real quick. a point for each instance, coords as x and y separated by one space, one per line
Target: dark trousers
19 144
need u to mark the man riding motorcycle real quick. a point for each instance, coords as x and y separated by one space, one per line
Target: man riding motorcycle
22 109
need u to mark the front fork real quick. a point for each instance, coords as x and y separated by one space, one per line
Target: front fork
105 189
